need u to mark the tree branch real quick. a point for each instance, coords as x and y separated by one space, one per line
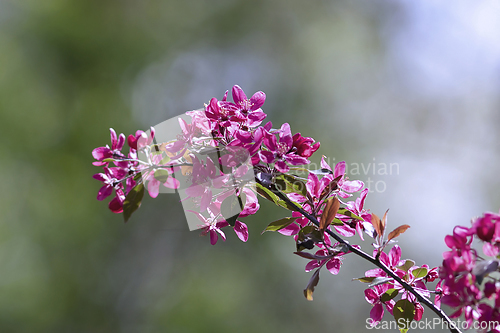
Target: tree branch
440 313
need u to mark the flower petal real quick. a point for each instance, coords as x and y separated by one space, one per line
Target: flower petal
241 230
257 100
154 187
376 314
333 265
101 153
104 192
238 95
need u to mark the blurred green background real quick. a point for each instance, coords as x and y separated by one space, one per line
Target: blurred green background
416 84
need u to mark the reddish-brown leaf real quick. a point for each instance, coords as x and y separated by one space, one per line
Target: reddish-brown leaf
384 222
377 224
398 231
313 282
331 208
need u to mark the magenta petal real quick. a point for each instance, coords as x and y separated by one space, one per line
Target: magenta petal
451 300
256 117
371 296
281 166
154 187
375 272
345 230
271 142
241 230
220 225
376 314
294 159
266 156
132 141
333 266
490 249
450 241
238 94
101 153
352 186
362 198
296 197
290 230
121 142
394 255
116 205
206 198
325 165
151 135
339 169
172 183
311 265
104 192
257 100
344 195
99 176
117 172
213 237
419 311
114 140
222 232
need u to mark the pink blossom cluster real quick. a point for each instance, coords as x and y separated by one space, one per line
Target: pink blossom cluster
225 156
121 175
470 282
383 294
233 131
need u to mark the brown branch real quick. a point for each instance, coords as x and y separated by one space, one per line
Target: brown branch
440 313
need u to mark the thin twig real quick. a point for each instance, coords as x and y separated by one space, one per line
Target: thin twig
451 325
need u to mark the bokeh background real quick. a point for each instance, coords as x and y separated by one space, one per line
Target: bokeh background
415 83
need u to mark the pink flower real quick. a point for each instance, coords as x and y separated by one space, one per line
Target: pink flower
333 263
212 226
373 296
102 153
244 104
304 145
356 207
280 151
140 139
111 179
346 186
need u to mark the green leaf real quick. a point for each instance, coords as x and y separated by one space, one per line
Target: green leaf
407 265
269 195
344 211
133 201
279 224
291 184
379 280
419 272
336 221
365 279
162 175
107 160
403 312
388 295
231 208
